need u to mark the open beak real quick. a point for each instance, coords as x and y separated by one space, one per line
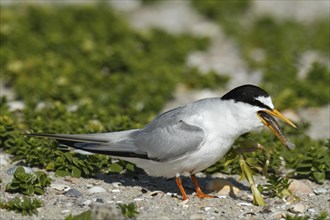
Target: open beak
280 116
266 117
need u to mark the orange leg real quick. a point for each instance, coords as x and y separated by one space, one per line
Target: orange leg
183 192
199 192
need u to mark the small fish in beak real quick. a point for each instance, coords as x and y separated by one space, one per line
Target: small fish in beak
269 121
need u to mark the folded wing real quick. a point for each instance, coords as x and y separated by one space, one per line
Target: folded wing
166 138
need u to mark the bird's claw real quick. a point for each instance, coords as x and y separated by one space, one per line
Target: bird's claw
202 195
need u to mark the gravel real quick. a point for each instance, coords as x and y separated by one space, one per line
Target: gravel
159 198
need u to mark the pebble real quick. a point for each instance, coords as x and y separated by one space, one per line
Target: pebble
73 193
228 191
4 160
89 185
155 193
138 199
319 191
278 215
115 190
244 204
268 209
87 202
171 194
72 180
12 170
298 187
223 187
249 214
312 211
69 204
116 184
97 189
60 187
298 208
97 183
99 200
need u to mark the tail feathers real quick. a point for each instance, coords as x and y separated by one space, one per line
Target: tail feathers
119 149
113 144
90 138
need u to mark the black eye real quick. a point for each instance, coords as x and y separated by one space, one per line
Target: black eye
260 104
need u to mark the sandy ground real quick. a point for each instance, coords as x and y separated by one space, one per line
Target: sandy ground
159 198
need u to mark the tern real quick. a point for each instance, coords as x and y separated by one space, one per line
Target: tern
187 139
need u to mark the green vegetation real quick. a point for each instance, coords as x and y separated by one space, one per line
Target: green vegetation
281 45
129 210
322 216
86 215
28 183
314 163
248 175
283 51
226 13
44 153
85 71
276 187
311 159
24 205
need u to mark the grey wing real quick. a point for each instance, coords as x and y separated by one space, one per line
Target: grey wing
114 143
165 143
167 137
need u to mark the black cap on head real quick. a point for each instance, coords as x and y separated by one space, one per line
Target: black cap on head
247 94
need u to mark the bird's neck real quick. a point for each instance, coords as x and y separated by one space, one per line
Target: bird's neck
242 118
232 119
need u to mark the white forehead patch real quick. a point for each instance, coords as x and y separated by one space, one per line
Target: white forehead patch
266 100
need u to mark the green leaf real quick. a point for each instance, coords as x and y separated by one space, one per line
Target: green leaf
62 173
257 197
86 215
19 170
75 172
129 210
247 173
39 191
130 167
50 166
29 190
116 168
24 205
319 176
86 171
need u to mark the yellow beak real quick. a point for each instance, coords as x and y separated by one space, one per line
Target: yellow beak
273 125
280 116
